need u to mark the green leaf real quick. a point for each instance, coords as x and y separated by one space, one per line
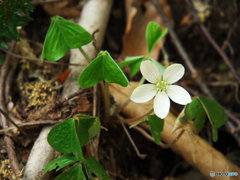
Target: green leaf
76 143
215 113
63 35
11 31
89 173
87 127
60 162
94 166
102 68
156 127
95 128
1 60
73 173
159 65
60 137
3 44
134 63
154 34
194 110
63 138
21 20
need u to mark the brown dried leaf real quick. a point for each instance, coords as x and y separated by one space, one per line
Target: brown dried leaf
195 150
134 42
65 9
185 20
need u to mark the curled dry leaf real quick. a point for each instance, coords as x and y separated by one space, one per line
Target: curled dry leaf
139 14
192 148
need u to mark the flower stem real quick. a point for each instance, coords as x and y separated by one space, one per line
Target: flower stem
128 99
105 93
84 54
137 120
142 156
142 80
107 101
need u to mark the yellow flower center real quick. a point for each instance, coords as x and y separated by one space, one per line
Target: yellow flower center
162 86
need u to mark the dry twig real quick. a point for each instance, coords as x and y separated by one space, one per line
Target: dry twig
41 3
8 141
229 34
213 42
18 127
34 123
162 145
38 60
142 156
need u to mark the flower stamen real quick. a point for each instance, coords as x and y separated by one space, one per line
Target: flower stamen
161 86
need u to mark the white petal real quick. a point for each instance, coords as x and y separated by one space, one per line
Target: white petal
150 71
161 105
178 94
173 73
143 93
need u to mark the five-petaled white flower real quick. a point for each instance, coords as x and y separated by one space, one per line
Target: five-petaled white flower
161 87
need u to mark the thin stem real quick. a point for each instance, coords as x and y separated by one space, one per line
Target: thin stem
166 146
130 138
105 93
162 145
8 141
102 86
128 99
95 100
34 123
85 55
138 119
20 129
88 151
214 44
38 60
142 80
41 3
107 103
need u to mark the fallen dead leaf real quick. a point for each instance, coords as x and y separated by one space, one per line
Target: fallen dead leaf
65 9
185 20
139 14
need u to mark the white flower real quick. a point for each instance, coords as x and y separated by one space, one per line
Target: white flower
161 87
